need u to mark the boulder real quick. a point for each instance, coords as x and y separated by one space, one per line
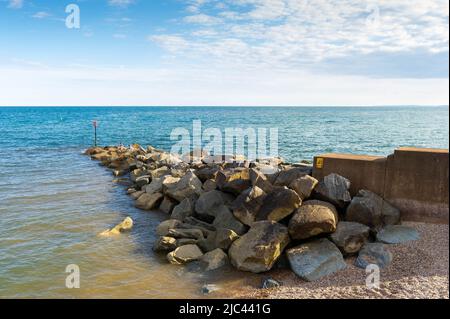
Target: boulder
334 189
209 185
160 172
207 173
258 250
208 203
373 254
136 194
222 238
316 259
278 204
184 254
189 186
304 186
142 181
286 177
192 233
186 241
154 187
397 234
183 209
149 201
134 174
124 226
169 181
196 223
167 205
169 159
349 237
370 209
214 259
258 179
225 219
165 244
313 218
270 283
233 181
247 205
163 228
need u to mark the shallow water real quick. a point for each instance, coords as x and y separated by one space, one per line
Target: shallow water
54 201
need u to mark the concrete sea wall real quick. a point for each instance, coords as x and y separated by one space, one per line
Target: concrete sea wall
415 180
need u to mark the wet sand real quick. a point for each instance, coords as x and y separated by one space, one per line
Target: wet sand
419 270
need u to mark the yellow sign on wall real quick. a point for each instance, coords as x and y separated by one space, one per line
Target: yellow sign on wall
319 162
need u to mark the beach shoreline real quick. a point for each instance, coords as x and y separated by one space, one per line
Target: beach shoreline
419 271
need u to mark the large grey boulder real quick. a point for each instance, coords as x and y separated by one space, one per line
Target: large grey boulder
207 173
214 259
225 219
373 254
304 186
334 188
370 209
278 204
189 186
233 181
221 238
258 179
183 209
184 254
316 259
208 203
149 201
397 234
247 205
258 250
286 177
313 218
350 236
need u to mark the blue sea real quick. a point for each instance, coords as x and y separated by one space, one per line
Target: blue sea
54 201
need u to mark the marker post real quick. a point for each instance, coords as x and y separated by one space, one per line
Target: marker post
95 124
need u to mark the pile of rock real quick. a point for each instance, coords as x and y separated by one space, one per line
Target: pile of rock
254 215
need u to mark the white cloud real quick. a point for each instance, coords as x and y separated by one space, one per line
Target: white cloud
41 15
202 19
120 3
289 32
15 4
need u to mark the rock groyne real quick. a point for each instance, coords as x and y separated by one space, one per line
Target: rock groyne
254 215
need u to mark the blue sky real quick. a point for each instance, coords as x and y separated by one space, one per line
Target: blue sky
230 52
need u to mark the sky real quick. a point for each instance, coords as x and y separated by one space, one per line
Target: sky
229 52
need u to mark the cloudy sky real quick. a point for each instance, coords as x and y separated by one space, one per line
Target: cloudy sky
228 52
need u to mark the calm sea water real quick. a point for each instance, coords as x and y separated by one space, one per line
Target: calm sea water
53 200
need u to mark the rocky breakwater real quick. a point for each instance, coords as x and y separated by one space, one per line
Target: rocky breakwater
224 210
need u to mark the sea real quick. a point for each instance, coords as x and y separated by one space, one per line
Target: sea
54 200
